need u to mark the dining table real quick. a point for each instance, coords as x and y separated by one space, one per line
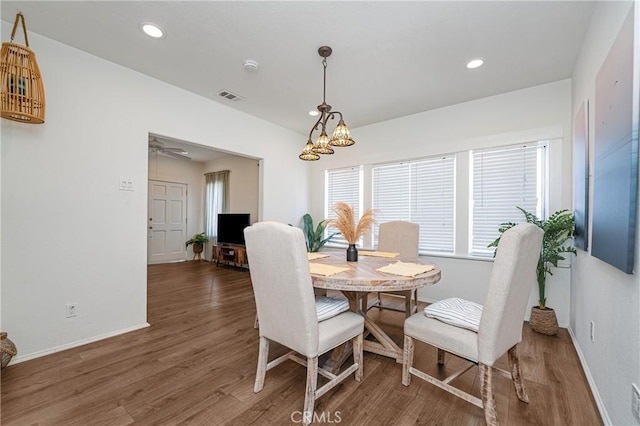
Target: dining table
372 272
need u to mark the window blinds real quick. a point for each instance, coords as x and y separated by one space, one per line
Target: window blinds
503 179
420 191
343 185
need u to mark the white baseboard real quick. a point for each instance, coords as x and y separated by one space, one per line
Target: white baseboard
34 355
592 384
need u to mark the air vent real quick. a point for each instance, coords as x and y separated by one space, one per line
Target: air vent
230 96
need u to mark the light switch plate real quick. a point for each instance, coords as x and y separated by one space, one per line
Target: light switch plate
126 184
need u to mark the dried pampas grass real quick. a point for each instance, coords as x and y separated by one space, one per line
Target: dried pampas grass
346 222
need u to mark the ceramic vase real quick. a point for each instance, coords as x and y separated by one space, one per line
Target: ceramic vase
352 253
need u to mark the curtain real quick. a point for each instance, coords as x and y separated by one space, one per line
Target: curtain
216 201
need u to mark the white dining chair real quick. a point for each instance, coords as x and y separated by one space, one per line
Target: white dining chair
399 237
290 314
482 333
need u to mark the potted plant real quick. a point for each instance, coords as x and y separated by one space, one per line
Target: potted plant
198 241
346 224
558 231
315 238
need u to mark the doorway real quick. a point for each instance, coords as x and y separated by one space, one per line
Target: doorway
167 224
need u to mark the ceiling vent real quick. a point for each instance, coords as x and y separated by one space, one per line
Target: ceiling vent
230 96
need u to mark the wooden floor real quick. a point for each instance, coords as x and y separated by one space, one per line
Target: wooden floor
196 365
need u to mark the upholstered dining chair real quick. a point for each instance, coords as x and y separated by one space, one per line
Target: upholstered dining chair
399 237
289 313
477 333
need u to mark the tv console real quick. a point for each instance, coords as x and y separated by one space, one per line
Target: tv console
230 254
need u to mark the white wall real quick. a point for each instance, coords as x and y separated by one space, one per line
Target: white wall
537 113
190 173
243 183
600 293
69 234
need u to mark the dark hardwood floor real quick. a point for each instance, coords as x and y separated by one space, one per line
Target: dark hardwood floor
196 365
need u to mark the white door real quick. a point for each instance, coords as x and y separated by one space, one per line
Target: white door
167 224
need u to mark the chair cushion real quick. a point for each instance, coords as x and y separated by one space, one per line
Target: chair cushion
327 307
456 340
456 311
337 330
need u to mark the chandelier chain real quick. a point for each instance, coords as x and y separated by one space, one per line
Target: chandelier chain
324 85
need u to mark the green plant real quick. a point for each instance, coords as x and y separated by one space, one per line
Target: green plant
315 238
200 238
558 231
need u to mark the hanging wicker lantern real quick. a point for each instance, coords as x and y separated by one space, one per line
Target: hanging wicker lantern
22 92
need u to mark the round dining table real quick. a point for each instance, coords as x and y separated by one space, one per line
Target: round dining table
357 279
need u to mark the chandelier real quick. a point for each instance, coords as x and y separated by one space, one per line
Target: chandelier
339 137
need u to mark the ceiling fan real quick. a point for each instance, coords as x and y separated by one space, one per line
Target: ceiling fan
158 147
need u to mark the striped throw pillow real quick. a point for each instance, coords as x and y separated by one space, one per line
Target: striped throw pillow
328 307
456 311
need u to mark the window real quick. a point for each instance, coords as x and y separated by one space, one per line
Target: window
422 192
343 185
503 179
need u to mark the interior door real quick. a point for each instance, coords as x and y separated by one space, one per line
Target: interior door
167 224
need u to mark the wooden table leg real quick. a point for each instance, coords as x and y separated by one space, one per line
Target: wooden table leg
338 357
383 345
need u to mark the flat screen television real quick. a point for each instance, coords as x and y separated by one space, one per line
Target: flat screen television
231 228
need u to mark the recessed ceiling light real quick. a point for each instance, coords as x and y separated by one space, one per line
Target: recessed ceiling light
152 30
475 63
314 113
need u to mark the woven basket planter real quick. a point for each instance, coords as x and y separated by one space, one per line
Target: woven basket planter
21 89
544 321
7 350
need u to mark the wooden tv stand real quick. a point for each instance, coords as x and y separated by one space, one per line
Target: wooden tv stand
230 254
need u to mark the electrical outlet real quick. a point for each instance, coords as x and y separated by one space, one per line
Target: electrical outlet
635 401
72 310
592 332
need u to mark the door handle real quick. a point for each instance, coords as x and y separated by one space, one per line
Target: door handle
151 227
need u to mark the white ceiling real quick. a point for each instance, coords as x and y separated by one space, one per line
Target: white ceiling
390 58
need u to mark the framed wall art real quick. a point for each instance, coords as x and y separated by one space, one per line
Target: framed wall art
615 183
581 176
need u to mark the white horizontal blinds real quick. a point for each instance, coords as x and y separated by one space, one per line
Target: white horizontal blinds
422 192
503 179
433 203
391 194
343 185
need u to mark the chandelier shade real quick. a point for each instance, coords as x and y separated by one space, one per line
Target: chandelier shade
322 145
340 136
308 154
